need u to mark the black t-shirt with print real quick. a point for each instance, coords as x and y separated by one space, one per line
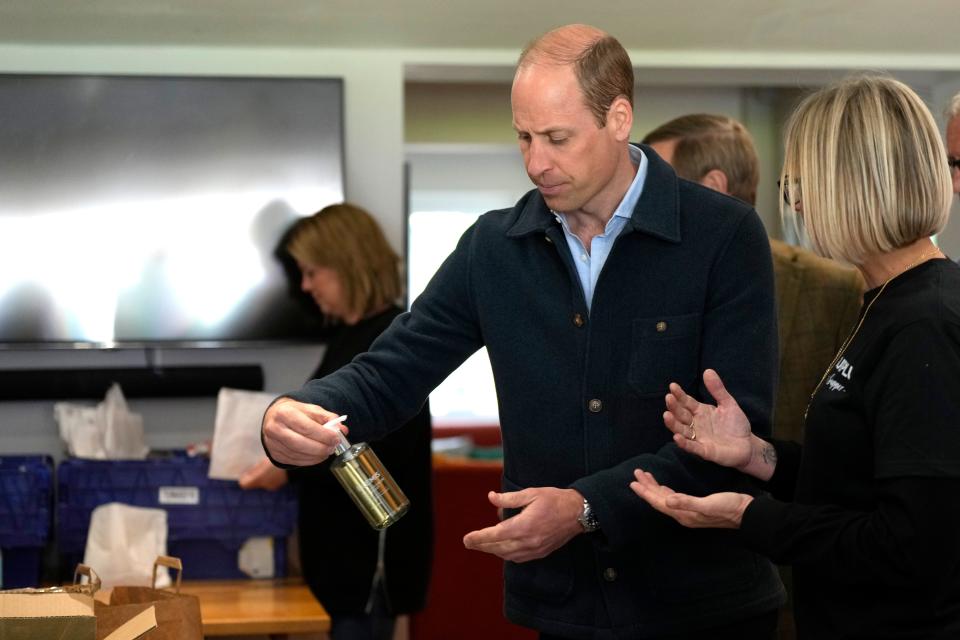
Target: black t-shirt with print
874 529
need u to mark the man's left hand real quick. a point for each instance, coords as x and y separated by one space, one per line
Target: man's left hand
548 521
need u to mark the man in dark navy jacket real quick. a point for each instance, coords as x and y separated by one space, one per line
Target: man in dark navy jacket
595 291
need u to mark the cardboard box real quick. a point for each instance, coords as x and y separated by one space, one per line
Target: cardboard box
64 613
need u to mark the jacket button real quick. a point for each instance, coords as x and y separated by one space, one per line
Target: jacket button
595 406
547 238
578 320
661 326
609 574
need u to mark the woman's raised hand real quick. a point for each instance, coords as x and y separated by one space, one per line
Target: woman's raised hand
720 434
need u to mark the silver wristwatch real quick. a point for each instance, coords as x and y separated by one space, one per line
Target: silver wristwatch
587 518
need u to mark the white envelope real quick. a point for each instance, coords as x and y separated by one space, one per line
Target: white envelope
236 434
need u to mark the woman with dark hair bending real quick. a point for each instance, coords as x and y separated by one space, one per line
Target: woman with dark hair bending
363 579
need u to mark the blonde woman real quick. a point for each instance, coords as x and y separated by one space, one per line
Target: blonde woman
351 272
868 515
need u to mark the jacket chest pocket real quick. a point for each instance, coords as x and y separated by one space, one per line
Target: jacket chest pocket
664 349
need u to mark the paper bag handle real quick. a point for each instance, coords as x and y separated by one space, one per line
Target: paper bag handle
171 563
92 578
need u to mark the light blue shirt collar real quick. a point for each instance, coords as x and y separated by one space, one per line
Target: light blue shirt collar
632 196
589 264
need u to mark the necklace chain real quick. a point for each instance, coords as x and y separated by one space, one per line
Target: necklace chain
853 334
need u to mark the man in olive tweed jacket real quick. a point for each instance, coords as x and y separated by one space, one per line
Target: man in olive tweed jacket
818 302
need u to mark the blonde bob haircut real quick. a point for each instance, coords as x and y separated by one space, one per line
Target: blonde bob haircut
345 238
870 166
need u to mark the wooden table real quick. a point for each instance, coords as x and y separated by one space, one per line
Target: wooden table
257 607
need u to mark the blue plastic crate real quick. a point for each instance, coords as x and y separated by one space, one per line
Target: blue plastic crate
26 499
26 503
21 567
208 520
217 560
204 559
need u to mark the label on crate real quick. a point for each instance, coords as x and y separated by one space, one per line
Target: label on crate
179 495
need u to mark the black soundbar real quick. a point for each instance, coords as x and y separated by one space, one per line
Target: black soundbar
155 382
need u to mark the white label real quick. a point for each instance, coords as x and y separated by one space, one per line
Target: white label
179 495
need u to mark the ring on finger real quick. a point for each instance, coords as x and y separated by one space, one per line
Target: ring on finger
693 431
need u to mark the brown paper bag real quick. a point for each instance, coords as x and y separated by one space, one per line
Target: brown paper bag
177 614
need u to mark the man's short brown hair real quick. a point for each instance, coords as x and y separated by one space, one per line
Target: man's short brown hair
601 64
706 142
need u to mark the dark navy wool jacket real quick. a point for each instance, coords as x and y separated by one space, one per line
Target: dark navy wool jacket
688 285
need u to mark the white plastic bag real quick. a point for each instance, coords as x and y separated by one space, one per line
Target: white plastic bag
255 557
80 429
109 431
236 432
123 431
123 543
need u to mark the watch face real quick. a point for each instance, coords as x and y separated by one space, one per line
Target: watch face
586 519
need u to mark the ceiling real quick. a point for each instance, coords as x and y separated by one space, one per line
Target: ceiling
677 42
921 30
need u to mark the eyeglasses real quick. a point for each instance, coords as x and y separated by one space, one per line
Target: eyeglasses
953 163
791 188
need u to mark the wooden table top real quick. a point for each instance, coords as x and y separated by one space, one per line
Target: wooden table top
256 607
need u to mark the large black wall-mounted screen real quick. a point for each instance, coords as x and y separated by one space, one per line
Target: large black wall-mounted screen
143 209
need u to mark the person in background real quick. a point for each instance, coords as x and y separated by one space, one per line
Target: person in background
364 580
868 516
818 300
953 141
591 293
